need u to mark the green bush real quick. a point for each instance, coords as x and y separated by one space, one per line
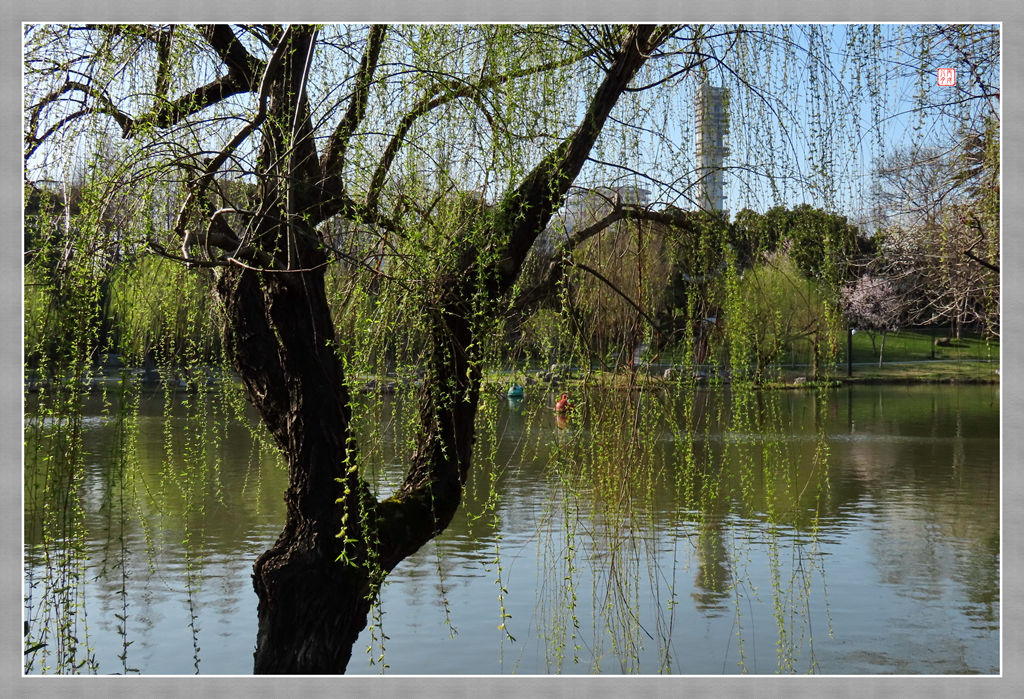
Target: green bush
785 314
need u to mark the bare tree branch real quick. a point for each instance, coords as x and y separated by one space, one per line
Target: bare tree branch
104 105
618 291
334 155
562 258
983 263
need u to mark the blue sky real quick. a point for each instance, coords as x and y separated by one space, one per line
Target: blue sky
852 125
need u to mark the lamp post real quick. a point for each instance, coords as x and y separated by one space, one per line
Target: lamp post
849 351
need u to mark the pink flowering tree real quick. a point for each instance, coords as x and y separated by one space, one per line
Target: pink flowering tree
873 304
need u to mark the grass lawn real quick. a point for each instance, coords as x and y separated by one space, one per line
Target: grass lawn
926 371
918 345
912 356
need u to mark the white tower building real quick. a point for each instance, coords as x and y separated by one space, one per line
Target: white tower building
712 126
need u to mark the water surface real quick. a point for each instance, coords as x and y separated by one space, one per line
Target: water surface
887 563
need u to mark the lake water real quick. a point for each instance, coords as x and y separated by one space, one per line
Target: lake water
551 566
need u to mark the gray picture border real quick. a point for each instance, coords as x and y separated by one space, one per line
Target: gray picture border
1010 14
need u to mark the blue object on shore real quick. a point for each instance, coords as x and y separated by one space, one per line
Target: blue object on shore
516 391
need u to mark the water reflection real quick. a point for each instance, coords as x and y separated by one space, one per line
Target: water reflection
700 547
714 579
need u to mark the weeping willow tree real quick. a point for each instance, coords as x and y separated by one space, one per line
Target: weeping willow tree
361 199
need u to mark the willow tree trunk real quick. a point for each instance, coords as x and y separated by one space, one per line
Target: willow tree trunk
316 583
309 605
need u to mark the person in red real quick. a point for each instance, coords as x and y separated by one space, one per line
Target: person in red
562 405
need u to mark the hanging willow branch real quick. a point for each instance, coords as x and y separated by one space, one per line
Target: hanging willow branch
590 270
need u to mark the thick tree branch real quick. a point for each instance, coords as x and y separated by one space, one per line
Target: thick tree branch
164 39
983 263
303 164
430 494
431 491
525 212
242 71
164 113
171 113
238 60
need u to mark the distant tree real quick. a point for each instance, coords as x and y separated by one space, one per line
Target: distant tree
785 311
617 289
939 242
872 304
937 199
755 234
